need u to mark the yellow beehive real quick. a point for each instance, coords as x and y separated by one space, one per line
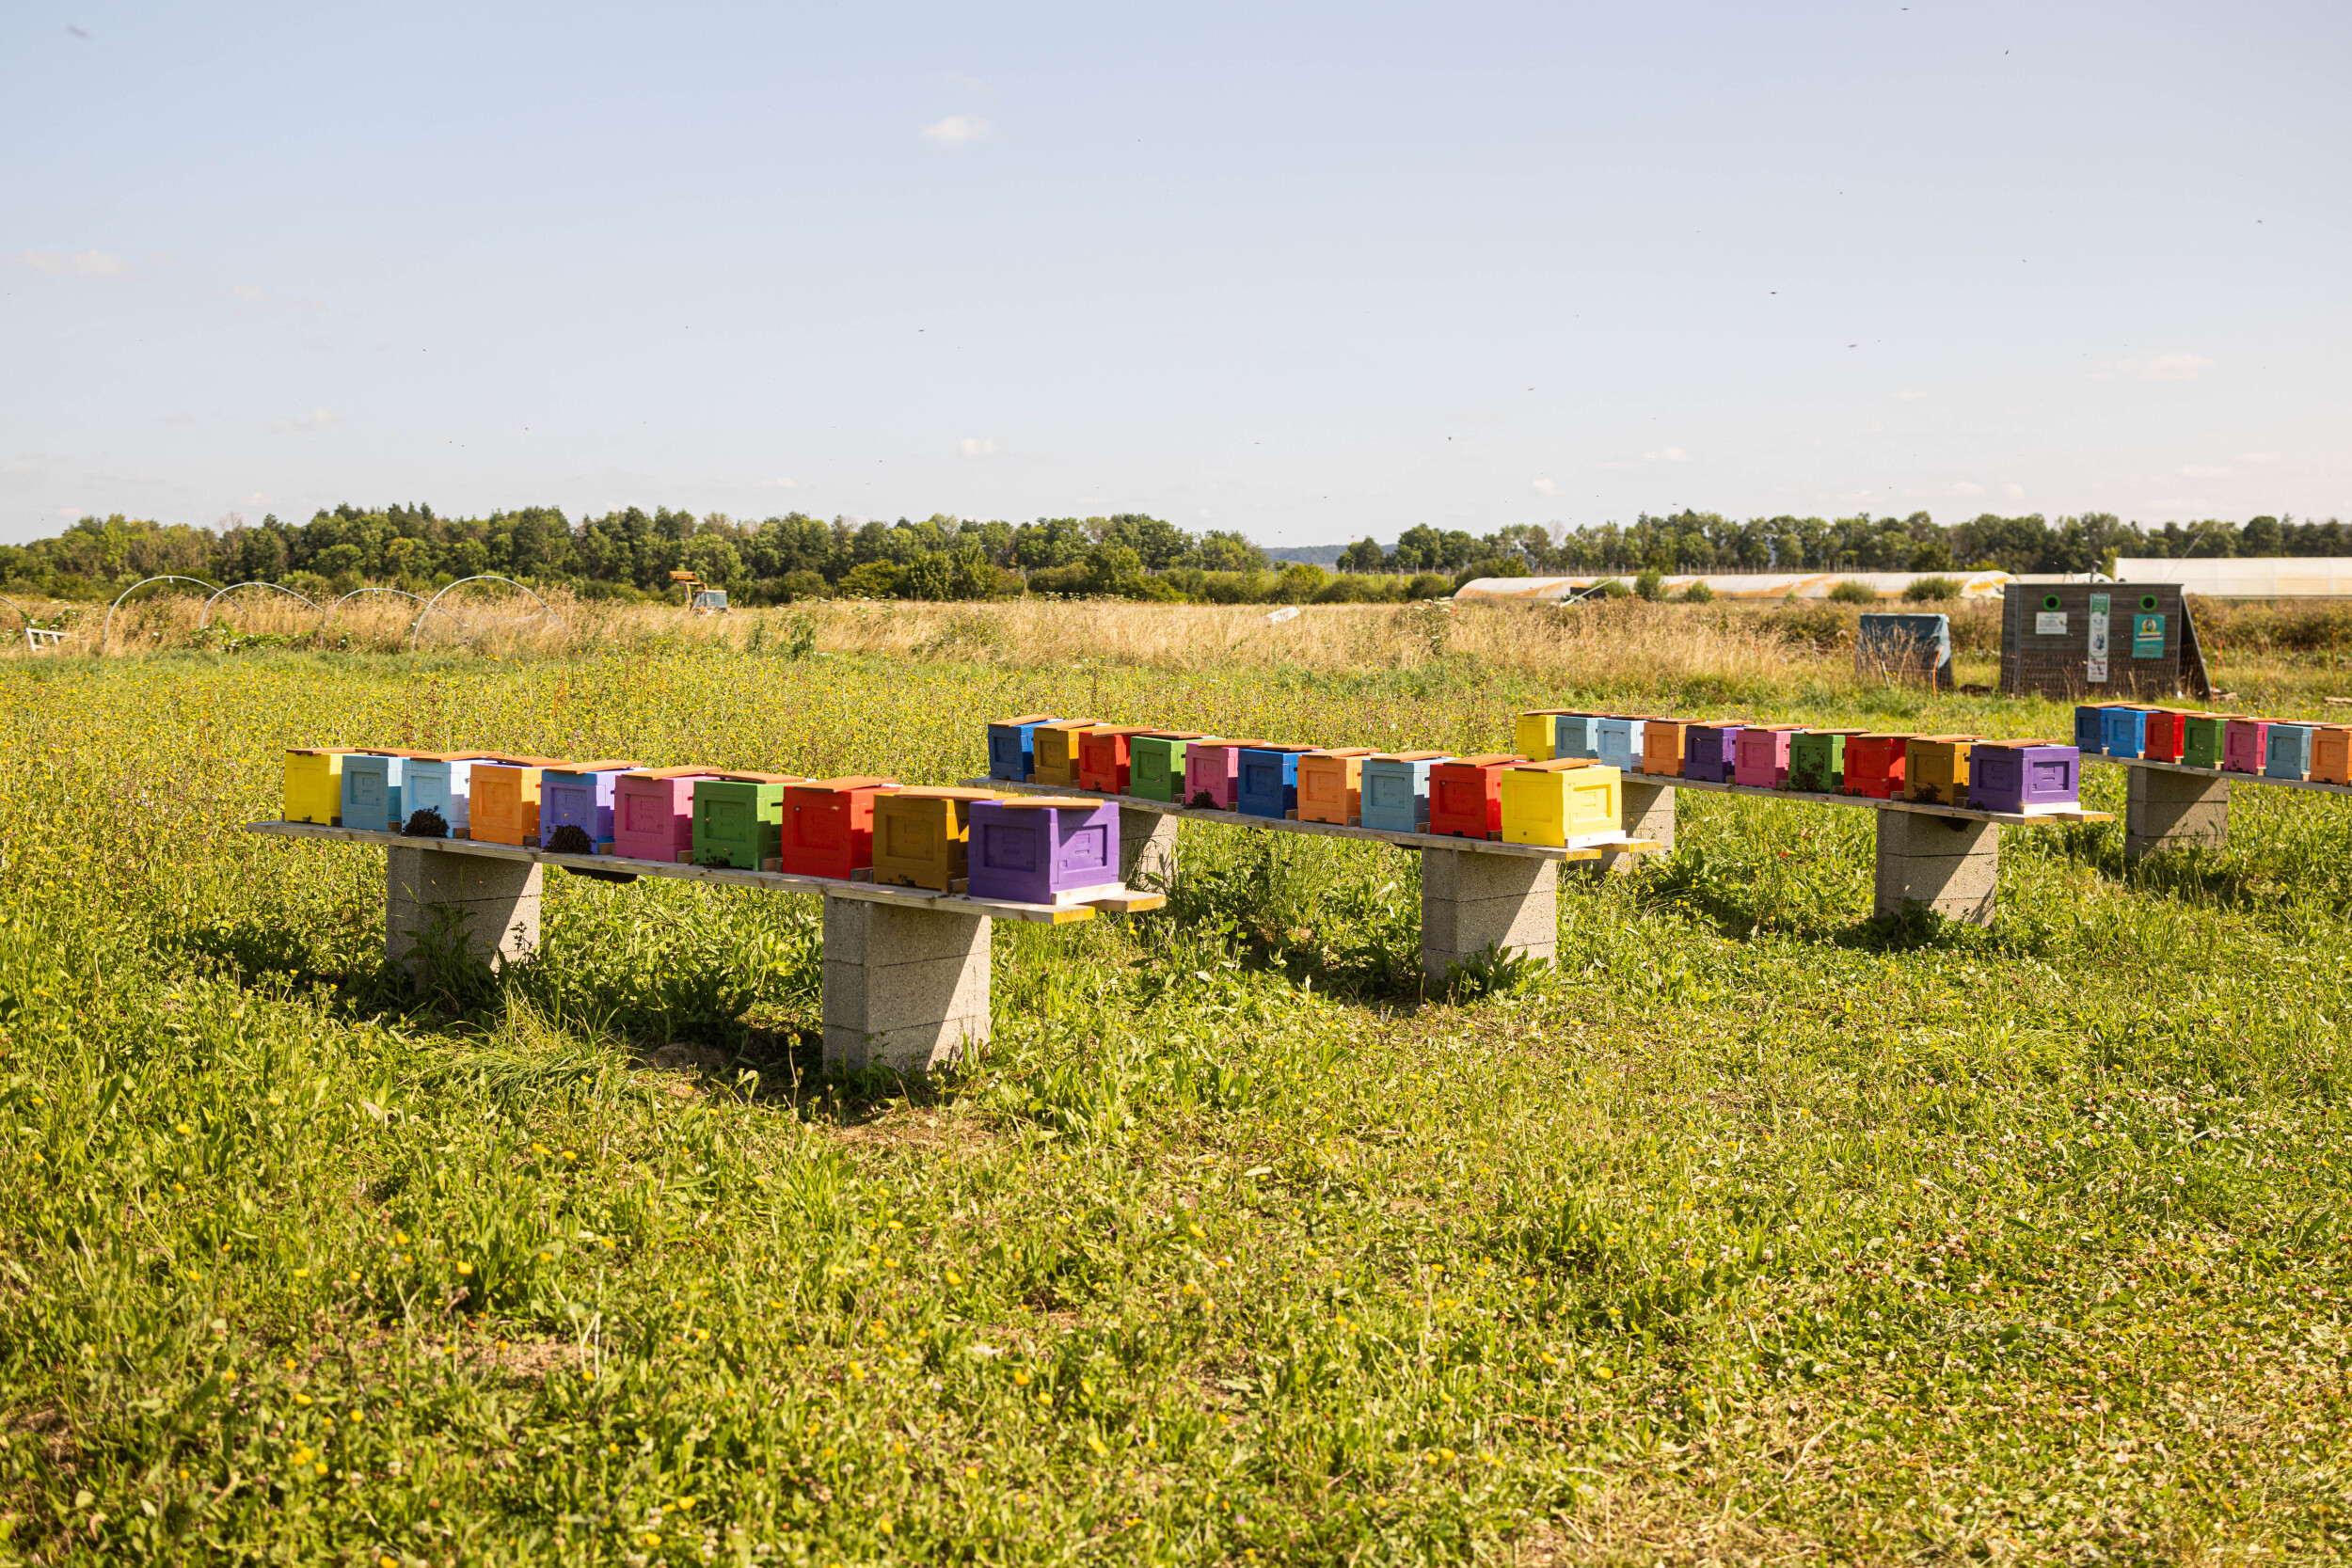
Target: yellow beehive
1536 735
921 836
1054 751
314 783
1936 769
1566 798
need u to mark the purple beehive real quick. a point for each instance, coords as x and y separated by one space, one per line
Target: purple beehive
1034 850
1763 756
1709 752
2022 775
580 794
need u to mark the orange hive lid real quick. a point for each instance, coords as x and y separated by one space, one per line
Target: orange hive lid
1342 751
1070 724
759 778
1557 765
941 792
1947 739
1540 712
1026 719
690 771
603 764
1216 743
846 782
541 763
1410 757
1121 729
1282 746
2020 743
321 751
1486 759
1040 802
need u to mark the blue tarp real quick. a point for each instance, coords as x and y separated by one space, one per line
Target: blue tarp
1894 643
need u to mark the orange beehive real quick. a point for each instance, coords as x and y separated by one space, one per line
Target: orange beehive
1331 784
2332 753
1054 751
1662 746
920 835
502 804
829 825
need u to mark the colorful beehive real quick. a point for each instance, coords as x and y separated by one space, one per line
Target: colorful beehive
2332 753
1621 740
920 835
1816 760
2167 735
1936 769
2204 738
2287 751
2022 775
441 783
1763 756
1537 732
2122 730
1710 753
1465 795
580 794
1155 764
829 825
738 820
1269 780
1874 766
1102 758
503 799
2243 743
1566 798
1394 790
1011 752
1662 746
1054 751
653 813
1041 851
1576 735
371 789
2090 735
1331 784
1212 773
314 783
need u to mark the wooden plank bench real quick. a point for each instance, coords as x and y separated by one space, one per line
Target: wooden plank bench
2170 806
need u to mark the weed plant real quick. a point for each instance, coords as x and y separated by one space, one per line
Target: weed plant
1755 1230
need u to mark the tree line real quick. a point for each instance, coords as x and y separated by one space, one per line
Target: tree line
630 553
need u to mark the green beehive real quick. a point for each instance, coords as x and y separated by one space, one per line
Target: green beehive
2202 746
738 820
1155 763
1817 760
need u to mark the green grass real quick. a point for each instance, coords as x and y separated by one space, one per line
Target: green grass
1758 1232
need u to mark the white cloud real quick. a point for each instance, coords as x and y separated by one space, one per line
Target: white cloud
1671 454
975 447
1543 488
317 418
2013 490
92 266
954 130
74 513
1911 397
2204 470
2174 367
2259 457
254 300
1965 489
780 484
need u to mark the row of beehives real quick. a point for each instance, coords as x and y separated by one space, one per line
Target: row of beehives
2225 742
1028 850
1568 766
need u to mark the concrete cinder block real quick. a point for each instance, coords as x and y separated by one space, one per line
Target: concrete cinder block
905 989
1947 864
2166 811
498 900
1146 849
1648 812
1471 900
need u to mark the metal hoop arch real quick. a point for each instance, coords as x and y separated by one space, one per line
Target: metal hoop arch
21 613
357 592
206 618
545 609
107 629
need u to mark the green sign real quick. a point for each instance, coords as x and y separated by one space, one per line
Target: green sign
2147 637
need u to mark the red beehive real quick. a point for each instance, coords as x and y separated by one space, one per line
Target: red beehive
2167 735
1874 766
1465 795
829 825
1102 758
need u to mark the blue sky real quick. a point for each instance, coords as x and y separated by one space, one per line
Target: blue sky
1310 272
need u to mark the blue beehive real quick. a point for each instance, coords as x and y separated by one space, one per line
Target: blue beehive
2288 751
1621 742
1012 752
2123 731
1394 793
2089 733
1577 734
371 783
1268 786
439 783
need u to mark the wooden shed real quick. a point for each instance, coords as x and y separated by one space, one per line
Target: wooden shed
2126 641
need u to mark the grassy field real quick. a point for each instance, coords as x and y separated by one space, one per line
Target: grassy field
1756 1233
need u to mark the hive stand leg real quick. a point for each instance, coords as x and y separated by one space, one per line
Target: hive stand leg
1146 849
1470 900
2166 811
905 989
498 898
1945 864
1647 812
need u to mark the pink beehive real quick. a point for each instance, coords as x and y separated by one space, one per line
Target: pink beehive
653 813
1212 773
2243 743
1762 759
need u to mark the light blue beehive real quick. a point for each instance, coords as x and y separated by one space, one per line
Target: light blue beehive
1577 734
1393 793
371 783
2288 751
1620 742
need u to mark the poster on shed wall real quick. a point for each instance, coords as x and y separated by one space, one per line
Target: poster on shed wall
2098 619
